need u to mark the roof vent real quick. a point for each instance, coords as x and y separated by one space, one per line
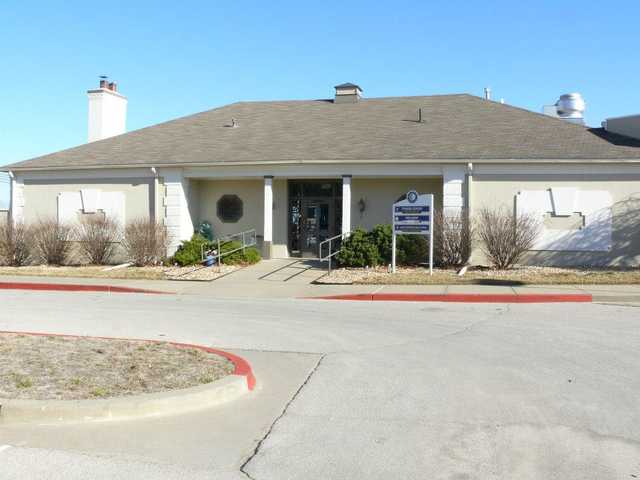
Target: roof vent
569 107
347 93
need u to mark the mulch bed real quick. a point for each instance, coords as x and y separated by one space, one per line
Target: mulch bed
196 272
64 368
520 275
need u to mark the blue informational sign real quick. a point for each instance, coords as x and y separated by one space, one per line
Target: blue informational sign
412 216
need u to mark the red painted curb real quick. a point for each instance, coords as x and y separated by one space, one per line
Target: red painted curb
464 297
72 287
241 366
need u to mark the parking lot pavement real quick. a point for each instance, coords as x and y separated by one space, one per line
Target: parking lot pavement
402 390
214 441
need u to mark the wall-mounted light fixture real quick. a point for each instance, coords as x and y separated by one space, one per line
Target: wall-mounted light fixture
362 205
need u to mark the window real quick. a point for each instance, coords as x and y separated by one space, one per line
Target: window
230 208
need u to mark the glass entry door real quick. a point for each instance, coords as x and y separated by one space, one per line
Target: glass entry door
313 215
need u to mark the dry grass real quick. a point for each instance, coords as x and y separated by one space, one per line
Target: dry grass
486 276
50 367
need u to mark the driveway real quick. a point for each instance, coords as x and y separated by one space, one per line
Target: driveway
361 390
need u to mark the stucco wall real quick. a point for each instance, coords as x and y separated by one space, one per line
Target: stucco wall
380 194
490 190
40 196
251 192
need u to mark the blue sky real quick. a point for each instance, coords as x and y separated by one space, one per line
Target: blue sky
176 58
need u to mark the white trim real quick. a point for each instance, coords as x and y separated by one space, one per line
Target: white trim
268 209
16 199
452 189
229 172
177 217
557 169
391 162
346 203
96 174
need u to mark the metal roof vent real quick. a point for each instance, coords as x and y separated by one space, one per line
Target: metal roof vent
569 107
347 93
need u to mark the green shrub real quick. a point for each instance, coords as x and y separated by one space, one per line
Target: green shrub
412 250
249 256
359 250
369 249
190 252
382 238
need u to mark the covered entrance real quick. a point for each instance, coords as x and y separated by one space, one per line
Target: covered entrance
315 214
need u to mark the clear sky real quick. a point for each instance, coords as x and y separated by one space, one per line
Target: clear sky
175 58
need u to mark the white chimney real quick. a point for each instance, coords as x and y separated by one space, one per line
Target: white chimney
107 111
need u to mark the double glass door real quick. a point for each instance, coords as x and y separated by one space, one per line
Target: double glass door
312 218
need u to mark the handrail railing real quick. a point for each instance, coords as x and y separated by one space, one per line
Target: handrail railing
330 254
246 238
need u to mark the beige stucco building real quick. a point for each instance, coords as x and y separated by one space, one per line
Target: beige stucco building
299 172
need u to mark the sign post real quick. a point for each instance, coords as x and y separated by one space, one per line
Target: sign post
413 216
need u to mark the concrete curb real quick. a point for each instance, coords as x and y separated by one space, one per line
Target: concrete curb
462 297
71 287
135 406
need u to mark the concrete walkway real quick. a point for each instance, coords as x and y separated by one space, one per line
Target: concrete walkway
293 278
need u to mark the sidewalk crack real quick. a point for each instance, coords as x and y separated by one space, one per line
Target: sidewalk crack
282 414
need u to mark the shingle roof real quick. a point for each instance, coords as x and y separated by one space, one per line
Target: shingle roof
455 127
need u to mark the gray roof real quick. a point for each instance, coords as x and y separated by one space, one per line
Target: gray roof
455 128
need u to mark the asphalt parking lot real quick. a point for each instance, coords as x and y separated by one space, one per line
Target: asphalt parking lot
359 390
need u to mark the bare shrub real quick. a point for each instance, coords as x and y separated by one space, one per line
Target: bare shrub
145 242
51 241
15 244
98 236
506 237
453 236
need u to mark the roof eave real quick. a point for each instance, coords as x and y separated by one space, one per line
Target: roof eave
10 168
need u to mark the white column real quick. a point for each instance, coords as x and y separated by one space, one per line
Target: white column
267 231
452 189
16 207
346 203
177 217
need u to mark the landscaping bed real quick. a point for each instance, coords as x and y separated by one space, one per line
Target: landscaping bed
195 272
69 368
519 275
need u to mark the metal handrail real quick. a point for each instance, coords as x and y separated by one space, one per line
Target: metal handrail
251 234
331 254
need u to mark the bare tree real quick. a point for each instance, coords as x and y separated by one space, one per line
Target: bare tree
52 241
506 236
15 244
145 242
98 236
453 235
